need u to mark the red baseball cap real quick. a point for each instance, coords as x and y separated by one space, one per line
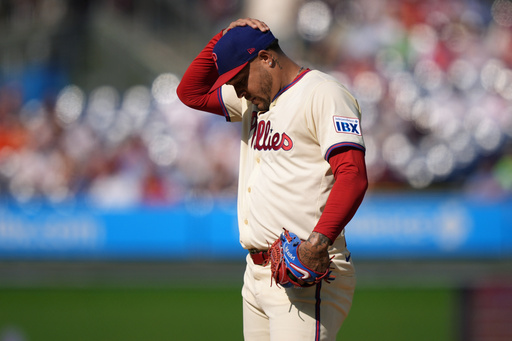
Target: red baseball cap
236 49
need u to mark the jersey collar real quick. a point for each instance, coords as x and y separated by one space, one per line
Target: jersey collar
298 78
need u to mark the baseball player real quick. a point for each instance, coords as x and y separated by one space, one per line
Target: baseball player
301 168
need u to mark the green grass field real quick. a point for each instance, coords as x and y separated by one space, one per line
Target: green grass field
110 313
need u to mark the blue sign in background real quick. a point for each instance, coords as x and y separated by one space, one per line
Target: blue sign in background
431 226
387 226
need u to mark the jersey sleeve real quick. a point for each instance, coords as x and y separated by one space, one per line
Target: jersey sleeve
347 193
232 106
334 117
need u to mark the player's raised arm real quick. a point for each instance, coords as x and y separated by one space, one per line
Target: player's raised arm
195 88
199 77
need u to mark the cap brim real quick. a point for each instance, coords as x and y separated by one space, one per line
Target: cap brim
226 77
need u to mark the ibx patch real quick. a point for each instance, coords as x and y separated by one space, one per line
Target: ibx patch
347 125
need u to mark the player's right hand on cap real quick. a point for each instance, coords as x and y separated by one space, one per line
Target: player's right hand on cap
254 23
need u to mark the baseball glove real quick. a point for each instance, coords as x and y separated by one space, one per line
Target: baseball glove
287 269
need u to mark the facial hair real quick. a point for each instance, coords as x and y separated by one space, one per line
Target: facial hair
266 90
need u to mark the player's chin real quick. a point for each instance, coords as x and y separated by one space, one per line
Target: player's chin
261 105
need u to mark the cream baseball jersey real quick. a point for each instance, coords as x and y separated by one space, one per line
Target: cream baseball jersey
285 177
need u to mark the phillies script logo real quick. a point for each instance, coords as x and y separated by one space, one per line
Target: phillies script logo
264 137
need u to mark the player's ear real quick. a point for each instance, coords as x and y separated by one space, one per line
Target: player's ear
266 57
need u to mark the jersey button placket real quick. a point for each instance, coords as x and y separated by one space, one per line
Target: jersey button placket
249 189
257 157
246 221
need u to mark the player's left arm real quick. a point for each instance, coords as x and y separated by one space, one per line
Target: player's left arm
351 183
334 118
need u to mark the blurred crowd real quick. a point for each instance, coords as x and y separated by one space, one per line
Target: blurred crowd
112 149
433 78
434 81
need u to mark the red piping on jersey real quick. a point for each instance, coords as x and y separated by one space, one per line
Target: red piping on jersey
342 144
298 78
222 105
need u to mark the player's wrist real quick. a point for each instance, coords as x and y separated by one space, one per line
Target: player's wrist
319 239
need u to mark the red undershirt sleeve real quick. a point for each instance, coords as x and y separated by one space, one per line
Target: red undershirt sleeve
198 79
347 193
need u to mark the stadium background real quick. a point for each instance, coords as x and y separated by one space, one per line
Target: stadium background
117 216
